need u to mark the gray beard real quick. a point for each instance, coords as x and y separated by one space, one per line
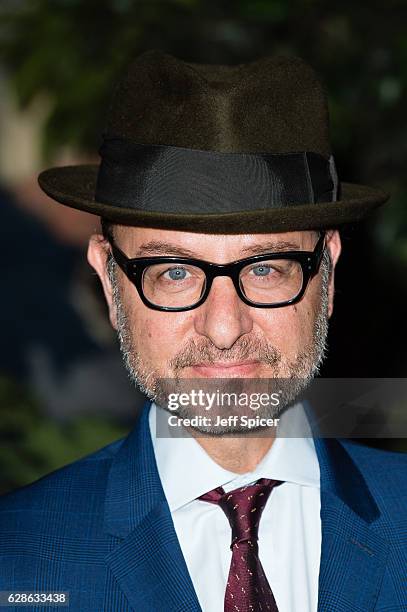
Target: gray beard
293 376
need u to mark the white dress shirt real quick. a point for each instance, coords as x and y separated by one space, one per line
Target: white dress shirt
290 526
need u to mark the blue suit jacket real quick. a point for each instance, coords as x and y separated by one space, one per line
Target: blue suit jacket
101 529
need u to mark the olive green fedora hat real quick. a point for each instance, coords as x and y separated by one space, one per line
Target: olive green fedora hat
216 149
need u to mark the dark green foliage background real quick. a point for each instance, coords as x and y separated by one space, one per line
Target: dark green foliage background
32 444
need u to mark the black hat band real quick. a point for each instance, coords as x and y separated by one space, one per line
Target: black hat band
168 179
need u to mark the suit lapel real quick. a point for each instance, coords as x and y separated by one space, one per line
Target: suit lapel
353 553
147 560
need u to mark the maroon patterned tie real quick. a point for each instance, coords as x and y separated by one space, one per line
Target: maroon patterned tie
247 589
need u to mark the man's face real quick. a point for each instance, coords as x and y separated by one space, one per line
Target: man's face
224 337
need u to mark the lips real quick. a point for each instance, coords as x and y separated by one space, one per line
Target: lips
226 364
225 369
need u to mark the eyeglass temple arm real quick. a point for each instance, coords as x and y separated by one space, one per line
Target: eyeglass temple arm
118 256
318 251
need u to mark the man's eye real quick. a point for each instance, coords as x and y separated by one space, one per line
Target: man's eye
262 270
176 274
271 269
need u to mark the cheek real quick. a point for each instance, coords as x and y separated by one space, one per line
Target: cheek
159 335
290 329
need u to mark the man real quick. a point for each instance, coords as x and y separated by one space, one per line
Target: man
220 201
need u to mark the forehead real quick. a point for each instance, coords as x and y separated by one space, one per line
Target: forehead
138 242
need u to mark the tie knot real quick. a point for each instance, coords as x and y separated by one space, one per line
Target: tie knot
243 507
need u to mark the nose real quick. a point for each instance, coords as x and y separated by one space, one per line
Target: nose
223 317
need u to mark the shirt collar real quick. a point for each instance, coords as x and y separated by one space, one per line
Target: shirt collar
187 471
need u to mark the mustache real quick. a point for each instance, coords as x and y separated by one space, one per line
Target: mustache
204 351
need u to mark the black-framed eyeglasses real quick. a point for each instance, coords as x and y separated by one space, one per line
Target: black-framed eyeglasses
176 284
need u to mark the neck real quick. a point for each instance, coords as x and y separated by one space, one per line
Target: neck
239 455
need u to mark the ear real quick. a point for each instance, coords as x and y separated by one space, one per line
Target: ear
333 245
98 251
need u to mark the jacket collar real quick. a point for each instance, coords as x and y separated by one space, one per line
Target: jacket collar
146 560
341 477
134 488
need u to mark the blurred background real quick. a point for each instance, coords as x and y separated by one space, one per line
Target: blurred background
63 389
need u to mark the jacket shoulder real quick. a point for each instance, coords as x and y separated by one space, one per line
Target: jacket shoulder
376 458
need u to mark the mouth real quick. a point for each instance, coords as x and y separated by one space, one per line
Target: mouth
229 369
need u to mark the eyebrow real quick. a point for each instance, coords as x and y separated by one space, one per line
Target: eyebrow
272 247
163 248
166 248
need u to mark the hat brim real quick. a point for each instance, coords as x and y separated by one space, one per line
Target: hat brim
74 186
